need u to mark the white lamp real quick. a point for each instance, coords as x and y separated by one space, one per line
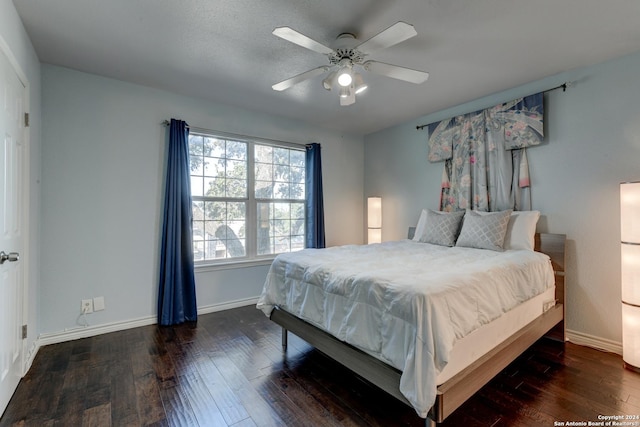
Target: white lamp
630 255
374 220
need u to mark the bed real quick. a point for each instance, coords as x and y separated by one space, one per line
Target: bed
362 306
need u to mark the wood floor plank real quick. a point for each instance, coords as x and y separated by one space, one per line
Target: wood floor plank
342 413
247 422
98 416
623 381
140 358
246 355
514 409
229 370
123 398
226 400
98 386
177 407
558 406
204 409
258 408
310 408
575 388
182 354
369 403
161 361
148 401
287 411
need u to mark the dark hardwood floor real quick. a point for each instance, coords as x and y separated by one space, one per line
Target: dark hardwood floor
229 370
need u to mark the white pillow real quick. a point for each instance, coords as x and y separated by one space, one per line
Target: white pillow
420 226
521 230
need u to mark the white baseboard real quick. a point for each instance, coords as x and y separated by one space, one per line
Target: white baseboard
30 356
227 305
594 342
90 331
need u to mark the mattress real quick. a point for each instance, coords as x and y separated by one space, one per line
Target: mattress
479 342
405 303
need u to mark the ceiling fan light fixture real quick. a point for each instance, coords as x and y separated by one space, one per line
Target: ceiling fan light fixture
344 77
345 92
327 83
359 84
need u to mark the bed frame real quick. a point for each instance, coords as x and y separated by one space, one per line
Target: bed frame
458 389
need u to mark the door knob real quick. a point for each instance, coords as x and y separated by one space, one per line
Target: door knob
11 257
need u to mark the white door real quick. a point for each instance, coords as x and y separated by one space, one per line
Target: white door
12 94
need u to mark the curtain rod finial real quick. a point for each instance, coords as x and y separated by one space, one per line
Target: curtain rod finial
566 85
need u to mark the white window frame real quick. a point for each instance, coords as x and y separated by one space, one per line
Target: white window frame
251 258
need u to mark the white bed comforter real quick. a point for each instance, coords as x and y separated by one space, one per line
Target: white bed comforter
404 302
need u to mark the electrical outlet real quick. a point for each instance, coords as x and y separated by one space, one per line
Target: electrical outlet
98 303
87 306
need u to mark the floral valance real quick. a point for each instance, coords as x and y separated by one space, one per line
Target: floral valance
512 125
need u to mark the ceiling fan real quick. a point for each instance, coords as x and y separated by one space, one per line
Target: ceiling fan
348 56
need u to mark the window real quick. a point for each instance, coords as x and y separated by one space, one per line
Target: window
248 198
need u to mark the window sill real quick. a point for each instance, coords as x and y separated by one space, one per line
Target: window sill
231 265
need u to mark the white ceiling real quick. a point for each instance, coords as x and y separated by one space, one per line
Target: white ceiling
224 50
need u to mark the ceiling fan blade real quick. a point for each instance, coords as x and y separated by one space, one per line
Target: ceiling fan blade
300 39
286 84
398 32
396 72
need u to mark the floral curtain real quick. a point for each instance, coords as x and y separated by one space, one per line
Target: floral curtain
484 154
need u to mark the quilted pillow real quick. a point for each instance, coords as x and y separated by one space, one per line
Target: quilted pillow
484 231
441 228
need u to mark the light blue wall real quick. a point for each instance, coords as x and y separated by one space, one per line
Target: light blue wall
592 144
14 37
103 160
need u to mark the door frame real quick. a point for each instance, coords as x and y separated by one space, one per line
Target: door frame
25 255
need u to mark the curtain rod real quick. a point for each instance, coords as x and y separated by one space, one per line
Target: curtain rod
274 142
563 86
